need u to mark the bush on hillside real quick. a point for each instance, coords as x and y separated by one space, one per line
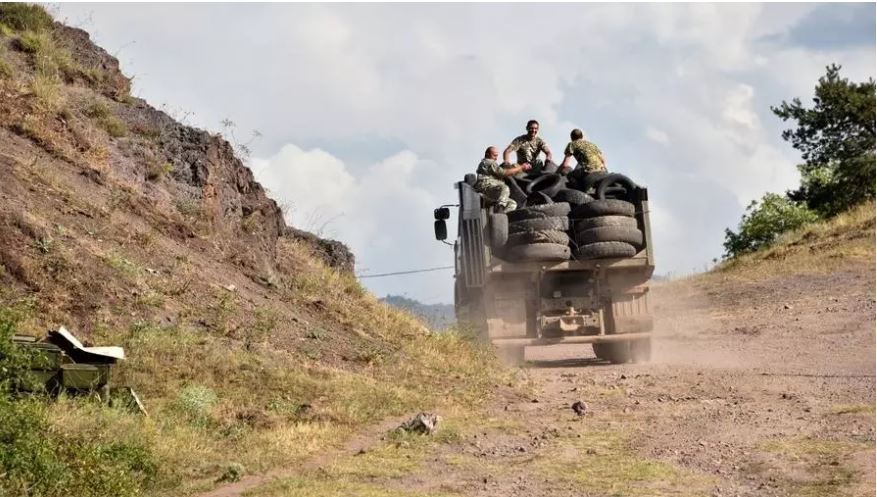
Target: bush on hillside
764 221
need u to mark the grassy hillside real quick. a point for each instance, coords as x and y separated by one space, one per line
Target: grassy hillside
847 238
248 348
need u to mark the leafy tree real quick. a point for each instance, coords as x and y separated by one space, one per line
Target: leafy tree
764 221
836 138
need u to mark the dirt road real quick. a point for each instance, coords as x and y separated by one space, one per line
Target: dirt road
756 389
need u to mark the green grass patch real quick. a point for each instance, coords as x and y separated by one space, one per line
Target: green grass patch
824 469
604 462
25 17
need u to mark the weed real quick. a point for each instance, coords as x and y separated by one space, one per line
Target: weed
156 170
189 207
44 245
121 264
196 402
48 93
233 472
5 70
114 126
825 474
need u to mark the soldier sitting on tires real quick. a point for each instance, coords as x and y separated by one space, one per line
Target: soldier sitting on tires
587 155
490 180
528 146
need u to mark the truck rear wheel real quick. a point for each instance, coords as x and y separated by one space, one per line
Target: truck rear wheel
614 352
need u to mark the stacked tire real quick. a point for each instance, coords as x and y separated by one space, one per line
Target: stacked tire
538 233
605 228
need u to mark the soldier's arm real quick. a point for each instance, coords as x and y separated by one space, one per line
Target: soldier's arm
507 153
567 159
548 155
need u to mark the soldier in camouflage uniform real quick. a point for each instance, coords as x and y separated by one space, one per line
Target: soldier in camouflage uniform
491 180
528 147
589 157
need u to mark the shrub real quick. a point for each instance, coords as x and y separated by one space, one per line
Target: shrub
764 221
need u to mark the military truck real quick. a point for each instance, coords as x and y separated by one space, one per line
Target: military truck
541 292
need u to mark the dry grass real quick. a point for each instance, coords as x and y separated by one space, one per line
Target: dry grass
816 248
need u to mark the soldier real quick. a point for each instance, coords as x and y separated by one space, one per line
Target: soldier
588 156
491 180
528 147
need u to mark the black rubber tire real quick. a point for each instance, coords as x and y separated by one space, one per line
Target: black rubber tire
516 193
618 193
614 180
499 231
538 252
538 198
558 209
614 352
606 207
537 224
632 236
601 221
574 197
605 250
550 167
531 237
470 179
590 180
549 184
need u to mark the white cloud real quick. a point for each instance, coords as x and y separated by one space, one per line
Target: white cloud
657 136
427 87
738 107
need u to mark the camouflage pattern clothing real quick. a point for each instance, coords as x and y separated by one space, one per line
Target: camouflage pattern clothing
491 185
527 149
586 154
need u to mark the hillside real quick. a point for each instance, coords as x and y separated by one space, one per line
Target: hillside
132 229
436 316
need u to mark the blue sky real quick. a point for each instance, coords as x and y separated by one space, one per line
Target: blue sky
369 113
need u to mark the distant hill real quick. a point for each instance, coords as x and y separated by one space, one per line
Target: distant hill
436 316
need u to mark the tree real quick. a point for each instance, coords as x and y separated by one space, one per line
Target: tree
837 142
764 221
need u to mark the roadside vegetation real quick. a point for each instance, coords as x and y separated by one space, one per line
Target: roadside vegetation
836 138
246 348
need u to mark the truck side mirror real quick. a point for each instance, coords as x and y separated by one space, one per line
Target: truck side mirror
442 213
441 230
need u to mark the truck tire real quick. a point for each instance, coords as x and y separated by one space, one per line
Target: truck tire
616 353
605 250
549 184
573 197
590 180
538 252
606 207
516 193
559 209
499 230
545 236
599 222
537 224
612 181
632 236
538 198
